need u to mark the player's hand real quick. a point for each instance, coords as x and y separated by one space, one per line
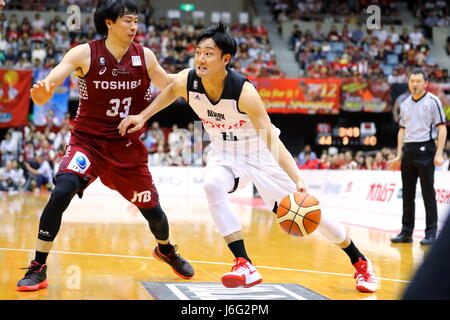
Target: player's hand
301 186
394 164
42 91
438 160
137 121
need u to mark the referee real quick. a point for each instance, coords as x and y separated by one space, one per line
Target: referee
422 119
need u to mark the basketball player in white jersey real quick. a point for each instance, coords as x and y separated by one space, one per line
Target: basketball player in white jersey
245 147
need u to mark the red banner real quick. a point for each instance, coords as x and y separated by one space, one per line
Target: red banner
14 97
367 96
313 96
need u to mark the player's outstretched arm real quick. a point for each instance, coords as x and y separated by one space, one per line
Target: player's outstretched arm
250 102
158 75
75 59
178 88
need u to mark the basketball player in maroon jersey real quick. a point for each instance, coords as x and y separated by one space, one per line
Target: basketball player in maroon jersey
114 80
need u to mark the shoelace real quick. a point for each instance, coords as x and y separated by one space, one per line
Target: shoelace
32 269
362 272
174 255
239 265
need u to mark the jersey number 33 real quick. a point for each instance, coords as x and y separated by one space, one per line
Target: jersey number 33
117 105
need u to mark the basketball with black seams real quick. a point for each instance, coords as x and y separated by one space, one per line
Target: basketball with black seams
299 214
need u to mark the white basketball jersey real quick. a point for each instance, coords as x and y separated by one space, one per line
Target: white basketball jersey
228 128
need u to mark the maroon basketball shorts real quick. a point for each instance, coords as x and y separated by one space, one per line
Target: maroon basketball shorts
121 165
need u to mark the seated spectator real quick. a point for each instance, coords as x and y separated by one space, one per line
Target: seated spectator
8 148
62 138
369 162
444 21
302 155
416 36
335 162
43 175
360 160
379 163
309 163
160 157
23 63
423 47
11 177
349 163
18 176
324 162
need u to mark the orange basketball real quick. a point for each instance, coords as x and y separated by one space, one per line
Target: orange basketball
299 214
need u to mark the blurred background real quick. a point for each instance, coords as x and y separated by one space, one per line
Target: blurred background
332 75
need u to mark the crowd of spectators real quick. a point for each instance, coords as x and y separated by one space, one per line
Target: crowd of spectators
331 11
380 54
35 43
333 159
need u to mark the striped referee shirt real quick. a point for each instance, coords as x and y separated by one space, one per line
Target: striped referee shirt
420 117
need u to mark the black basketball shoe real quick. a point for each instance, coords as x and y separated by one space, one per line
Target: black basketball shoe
179 265
35 278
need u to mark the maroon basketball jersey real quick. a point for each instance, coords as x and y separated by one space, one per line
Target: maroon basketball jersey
112 90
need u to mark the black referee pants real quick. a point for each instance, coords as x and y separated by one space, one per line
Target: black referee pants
418 162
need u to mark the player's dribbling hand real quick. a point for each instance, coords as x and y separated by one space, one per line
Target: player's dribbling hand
301 186
137 121
42 91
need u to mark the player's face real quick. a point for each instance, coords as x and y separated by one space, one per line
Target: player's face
125 27
416 84
208 58
2 4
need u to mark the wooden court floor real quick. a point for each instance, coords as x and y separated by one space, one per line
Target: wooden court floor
103 251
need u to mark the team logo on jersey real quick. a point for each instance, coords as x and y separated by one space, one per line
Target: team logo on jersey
79 163
218 116
116 72
136 61
197 97
102 61
102 71
144 196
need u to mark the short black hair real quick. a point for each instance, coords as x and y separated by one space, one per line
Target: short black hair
418 71
223 39
112 9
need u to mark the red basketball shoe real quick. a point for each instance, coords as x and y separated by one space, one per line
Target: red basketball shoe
243 273
365 278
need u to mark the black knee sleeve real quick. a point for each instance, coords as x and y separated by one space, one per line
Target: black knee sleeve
66 187
157 222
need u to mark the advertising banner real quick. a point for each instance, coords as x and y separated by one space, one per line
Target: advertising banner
309 96
14 97
367 96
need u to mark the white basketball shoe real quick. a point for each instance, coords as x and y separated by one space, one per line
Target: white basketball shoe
365 277
243 273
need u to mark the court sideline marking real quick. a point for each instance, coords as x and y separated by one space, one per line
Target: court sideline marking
197 261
